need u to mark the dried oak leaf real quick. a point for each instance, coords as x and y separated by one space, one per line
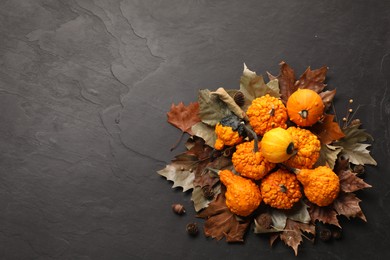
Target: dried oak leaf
220 222
326 215
184 117
327 130
292 235
313 79
349 182
347 204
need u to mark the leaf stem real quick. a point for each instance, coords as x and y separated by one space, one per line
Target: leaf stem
177 142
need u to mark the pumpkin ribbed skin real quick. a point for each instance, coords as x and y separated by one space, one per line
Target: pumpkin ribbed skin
242 195
307 148
280 189
277 145
266 113
305 107
250 164
226 136
320 185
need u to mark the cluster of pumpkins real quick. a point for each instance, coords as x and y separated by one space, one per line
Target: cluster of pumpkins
296 148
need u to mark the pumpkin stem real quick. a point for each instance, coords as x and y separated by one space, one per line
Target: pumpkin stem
304 114
290 148
252 134
291 169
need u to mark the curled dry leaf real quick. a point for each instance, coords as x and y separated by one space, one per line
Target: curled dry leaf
211 108
327 97
229 101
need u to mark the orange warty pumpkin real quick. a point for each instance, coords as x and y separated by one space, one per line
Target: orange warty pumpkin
305 107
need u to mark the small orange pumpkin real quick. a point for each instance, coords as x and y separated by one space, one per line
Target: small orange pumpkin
305 107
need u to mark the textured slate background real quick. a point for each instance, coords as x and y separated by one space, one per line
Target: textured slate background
84 90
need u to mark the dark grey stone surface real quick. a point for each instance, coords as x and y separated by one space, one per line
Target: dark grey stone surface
84 90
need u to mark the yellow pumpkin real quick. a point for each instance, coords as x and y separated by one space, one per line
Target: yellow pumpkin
305 107
277 145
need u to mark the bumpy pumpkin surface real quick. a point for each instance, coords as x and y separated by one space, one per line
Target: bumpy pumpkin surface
277 145
226 136
307 148
250 164
320 185
242 195
305 107
266 113
280 189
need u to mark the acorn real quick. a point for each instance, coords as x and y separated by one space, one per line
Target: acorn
325 234
178 209
192 229
239 98
358 169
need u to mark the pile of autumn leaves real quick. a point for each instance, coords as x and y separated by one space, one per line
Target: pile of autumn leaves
343 149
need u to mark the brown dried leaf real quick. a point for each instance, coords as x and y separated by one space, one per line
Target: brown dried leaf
327 130
273 237
328 155
204 177
220 222
347 204
349 182
184 117
327 97
313 79
325 215
292 235
229 101
286 80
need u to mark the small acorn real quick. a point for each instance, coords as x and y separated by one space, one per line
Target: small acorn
178 209
325 234
192 229
358 169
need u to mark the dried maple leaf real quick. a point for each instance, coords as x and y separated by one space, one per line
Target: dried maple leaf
292 235
325 215
349 182
353 148
220 222
204 177
286 80
313 79
347 204
205 132
184 117
327 130
198 198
